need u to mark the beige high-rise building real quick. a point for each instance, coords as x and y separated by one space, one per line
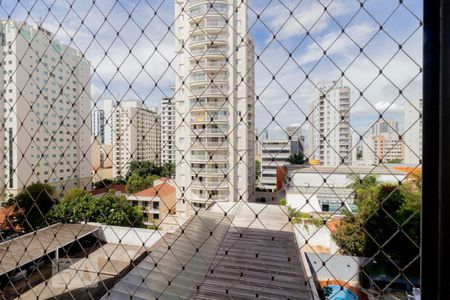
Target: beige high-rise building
136 135
214 99
47 95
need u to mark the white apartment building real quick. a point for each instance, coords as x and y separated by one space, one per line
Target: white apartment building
214 99
413 132
330 134
276 153
168 131
47 97
383 144
136 135
108 109
98 124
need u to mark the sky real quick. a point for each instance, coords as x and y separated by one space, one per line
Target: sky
298 45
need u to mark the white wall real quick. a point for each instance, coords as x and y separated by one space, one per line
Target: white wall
298 201
315 236
129 236
334 180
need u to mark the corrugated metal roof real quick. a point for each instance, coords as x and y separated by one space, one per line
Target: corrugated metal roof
246 258
29 247
179 265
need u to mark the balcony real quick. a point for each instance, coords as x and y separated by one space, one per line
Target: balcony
209 145
194 2
203 197
208 38
210 184
206 52
210 24
210 65
209 158
207 78
200 11
210 91
210 171
208 119
211 131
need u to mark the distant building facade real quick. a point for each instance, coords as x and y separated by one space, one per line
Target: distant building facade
98 124
109 106
47 142
168 131
384 144
413 136
136 135
330 134
275 153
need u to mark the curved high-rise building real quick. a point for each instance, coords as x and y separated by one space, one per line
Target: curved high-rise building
214 99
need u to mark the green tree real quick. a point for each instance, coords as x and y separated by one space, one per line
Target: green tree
151 179
167 170
102 183
257 169
32 204
297 159
136 183
73 194
143 168
386 224
108 209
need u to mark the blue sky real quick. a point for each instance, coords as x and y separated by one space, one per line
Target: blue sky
151 42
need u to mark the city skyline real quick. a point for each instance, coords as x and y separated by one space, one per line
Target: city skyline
382 94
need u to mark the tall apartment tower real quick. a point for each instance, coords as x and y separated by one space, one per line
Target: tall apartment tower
330 134
98 124
47 111
214 99
413 132
384 144
136 135
168 131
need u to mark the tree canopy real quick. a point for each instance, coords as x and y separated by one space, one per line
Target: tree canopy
386 224
32 204
137 183
108 209
144 168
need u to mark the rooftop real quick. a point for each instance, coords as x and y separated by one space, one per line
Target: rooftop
223 252
346 169
29 247
160 190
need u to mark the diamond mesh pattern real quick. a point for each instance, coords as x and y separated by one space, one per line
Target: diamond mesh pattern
210 149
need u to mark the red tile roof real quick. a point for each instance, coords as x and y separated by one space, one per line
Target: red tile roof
160 190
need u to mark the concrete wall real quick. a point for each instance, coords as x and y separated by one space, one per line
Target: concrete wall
337 267
315 236
334 180
298 201
129 236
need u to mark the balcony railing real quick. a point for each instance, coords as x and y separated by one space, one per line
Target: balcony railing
213 171
204 145
207 158
210 51
214 184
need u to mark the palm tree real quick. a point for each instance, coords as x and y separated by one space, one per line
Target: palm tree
297 159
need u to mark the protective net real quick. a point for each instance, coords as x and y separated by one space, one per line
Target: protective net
210 149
